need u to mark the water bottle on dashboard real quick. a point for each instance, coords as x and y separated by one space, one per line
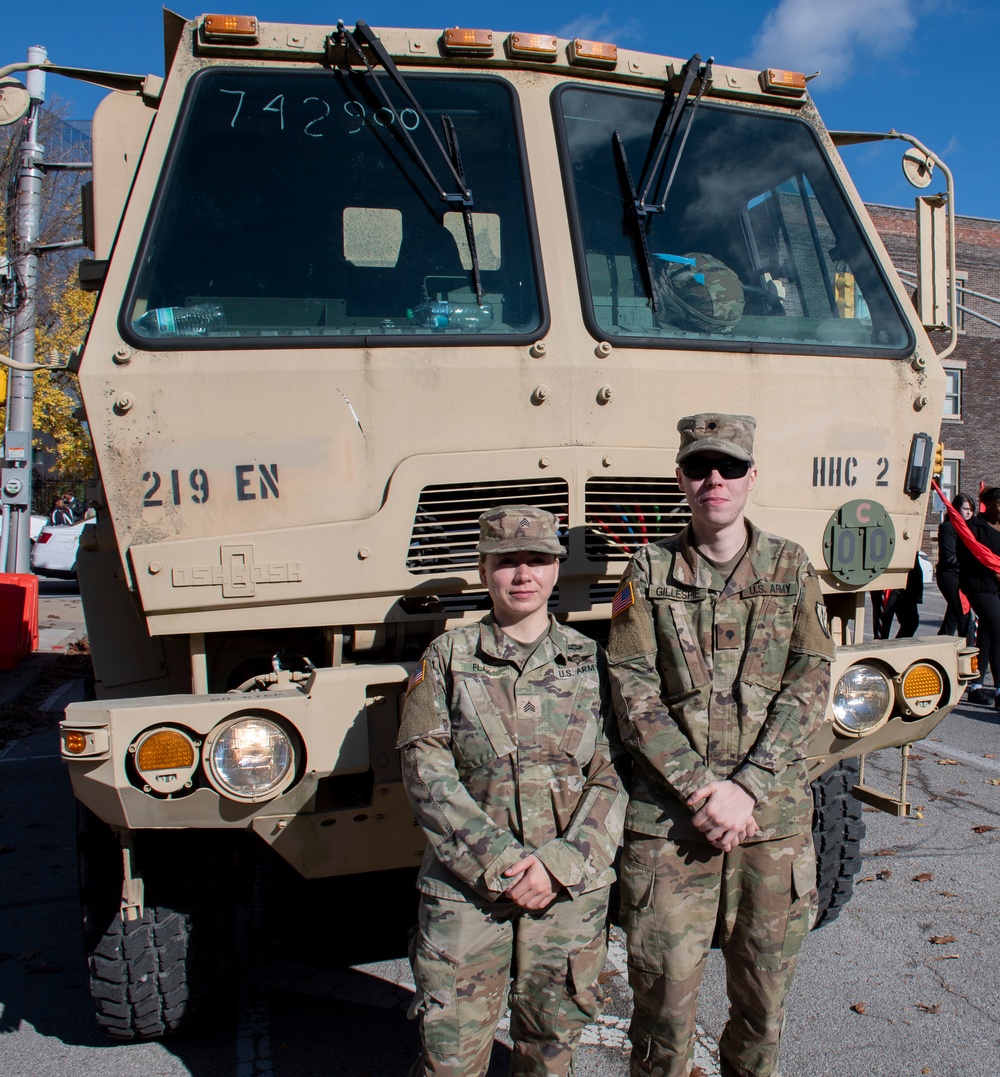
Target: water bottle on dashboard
195 321
443 314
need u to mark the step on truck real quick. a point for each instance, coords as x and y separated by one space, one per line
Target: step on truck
358 285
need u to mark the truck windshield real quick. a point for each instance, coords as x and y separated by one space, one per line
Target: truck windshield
289 207
756 248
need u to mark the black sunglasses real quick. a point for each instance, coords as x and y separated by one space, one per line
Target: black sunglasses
700 467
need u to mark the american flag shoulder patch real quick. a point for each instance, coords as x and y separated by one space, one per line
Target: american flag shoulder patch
624 599
417 676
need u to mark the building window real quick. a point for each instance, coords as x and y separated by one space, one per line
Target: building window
962 280
949 483
953 393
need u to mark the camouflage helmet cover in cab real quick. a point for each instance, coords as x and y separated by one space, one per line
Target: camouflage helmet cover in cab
697 292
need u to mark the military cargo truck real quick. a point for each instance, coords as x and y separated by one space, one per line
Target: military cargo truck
357 286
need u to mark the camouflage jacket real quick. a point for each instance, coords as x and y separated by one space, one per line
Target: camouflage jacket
716 679
500 761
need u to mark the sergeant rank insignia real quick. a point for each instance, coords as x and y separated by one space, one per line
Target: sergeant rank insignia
622 600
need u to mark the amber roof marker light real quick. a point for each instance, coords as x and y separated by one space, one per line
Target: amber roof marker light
777 80
532 47
593 53
235 29
459 40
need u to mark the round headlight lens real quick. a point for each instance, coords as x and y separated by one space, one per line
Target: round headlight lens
861 701
251 758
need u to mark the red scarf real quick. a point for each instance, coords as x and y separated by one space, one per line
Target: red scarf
981 553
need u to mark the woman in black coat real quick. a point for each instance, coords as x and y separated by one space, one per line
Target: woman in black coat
979 584
956 622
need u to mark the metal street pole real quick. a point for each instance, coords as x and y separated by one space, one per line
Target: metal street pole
21 385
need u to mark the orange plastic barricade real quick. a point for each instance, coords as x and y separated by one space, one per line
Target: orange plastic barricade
18 617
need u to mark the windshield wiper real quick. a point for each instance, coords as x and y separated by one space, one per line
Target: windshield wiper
674 111
460 198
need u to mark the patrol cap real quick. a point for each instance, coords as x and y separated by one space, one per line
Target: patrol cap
512 528
716 432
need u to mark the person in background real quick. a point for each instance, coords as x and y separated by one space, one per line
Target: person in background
958 620
76 508
903 603
979 584
60 515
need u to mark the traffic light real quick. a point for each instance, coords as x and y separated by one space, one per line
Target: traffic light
844 289
939 460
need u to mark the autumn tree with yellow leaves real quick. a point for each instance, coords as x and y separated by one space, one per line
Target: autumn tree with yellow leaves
63 310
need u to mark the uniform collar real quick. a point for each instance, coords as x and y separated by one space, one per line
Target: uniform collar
493 643
690 570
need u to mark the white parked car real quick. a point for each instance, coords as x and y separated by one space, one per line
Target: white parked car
34 528
927 568
55 549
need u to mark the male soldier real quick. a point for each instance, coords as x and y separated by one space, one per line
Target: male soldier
719 659
507 765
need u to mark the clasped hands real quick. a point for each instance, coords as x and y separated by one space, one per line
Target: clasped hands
535 888
725 814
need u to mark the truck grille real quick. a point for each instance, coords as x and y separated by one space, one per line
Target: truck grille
623 514
446 524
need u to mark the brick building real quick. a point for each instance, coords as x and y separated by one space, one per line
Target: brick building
971 427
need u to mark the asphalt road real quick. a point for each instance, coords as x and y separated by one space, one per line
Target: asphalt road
904 983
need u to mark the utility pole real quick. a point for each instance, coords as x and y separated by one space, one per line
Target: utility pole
15 494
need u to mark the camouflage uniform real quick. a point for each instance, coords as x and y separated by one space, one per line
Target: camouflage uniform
717 679
502 757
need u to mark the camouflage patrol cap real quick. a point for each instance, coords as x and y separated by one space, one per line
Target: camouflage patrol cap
698 293
512 528
717 432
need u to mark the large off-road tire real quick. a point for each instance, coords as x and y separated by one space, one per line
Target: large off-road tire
838 828
169 968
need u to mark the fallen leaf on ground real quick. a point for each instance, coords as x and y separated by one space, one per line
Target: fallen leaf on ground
605 976
858 1007
942 940
913 755
923 877
698 1072
982 829
947 762
993 781
886 852
986 755
936 1008
947 893
884 874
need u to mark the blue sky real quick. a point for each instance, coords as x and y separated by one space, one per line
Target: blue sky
919 66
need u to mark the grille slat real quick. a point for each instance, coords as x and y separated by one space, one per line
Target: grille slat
446 524
623 514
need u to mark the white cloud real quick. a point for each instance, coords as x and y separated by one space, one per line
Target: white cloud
600 28
831 35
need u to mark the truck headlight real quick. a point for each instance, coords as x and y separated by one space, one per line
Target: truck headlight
249 758
862 700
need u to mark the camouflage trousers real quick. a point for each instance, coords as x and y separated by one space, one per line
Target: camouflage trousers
761 898
464 955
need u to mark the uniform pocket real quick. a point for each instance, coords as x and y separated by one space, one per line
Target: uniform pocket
802 914
434 999
478 733
582 984
638 912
